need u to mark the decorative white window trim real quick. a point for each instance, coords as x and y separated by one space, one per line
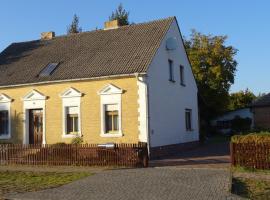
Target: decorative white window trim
34 95
5 102
71 98
110 94
110 89
33 100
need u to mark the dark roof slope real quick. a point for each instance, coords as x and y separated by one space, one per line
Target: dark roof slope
262 101
125 50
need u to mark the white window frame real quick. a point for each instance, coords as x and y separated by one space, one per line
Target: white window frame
191 122
182 75
71 98
33 100
5 102
109 95
171 70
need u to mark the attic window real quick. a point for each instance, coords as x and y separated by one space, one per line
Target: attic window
47 71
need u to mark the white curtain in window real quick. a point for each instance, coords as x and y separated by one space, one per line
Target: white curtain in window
72 110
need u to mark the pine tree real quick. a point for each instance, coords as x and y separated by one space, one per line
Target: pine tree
74 26
121 15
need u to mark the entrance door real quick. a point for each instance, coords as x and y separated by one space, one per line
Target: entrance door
35 126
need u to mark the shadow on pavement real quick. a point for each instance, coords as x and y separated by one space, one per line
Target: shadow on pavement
207 155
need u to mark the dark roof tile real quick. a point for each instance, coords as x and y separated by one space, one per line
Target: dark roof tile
125 50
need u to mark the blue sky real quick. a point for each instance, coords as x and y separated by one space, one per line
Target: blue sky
245 22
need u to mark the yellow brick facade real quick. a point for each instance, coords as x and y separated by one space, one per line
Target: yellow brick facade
90 110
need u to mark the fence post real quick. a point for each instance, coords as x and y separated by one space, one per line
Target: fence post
232 153
145 155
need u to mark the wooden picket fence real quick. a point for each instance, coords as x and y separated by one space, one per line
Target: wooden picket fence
129 155
251 155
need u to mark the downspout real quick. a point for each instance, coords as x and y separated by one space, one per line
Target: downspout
147 109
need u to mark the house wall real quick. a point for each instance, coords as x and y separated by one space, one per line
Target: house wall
261 117
90 110
168 100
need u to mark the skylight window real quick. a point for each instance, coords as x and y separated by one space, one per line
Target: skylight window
48 70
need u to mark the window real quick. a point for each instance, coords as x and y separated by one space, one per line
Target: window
111 111
4 123
72 120
111 119
71 106
182 75
188 119
48 70
171 76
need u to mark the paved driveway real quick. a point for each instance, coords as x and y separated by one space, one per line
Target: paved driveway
168 183
206 156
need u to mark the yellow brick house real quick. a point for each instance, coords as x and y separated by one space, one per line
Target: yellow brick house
124 84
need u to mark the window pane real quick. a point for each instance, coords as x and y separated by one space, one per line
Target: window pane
72 117
76 124
4 122
181 74
188 119
171 78
116 121
108 122
72 123
69 124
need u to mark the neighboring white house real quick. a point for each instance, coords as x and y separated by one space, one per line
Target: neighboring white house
223 122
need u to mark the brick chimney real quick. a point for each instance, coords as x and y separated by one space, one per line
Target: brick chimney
111 25
47 35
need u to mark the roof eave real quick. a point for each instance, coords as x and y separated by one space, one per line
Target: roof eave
75 80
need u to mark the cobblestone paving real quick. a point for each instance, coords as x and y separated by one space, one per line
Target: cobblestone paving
166 183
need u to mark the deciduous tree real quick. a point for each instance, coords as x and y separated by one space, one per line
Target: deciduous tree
214 65
241 99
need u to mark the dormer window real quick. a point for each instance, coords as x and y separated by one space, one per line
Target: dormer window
48 70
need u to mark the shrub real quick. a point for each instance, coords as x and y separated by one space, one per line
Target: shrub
262 137
59 144
241 124
77 140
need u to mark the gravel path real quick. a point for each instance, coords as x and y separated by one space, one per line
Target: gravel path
168 183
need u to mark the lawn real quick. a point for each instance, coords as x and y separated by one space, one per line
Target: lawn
12 181
251 188
251 183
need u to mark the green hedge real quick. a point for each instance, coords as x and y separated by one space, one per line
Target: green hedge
262 137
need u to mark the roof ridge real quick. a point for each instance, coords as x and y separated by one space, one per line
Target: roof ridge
97 30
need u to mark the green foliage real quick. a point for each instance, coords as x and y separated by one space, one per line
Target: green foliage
251 188
214 68
74 26
262 137
121 15
77 140
241 99
239 124
59 144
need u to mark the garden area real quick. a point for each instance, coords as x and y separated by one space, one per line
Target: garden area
26 181
250 157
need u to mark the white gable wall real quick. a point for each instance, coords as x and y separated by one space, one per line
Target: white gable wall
167 100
